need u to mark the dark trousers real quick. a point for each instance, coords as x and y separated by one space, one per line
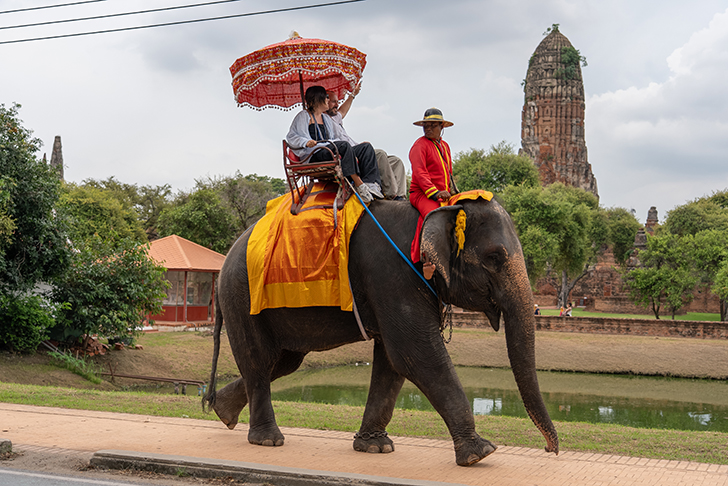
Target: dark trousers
366 167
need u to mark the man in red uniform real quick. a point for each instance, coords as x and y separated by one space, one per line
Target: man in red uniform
432 179
431 161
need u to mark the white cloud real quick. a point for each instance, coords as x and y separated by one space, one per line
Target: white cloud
674 132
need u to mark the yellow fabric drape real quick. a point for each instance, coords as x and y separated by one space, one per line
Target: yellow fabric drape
302 260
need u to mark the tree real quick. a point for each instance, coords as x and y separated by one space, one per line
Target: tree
200 217
109 289
7 224
561 228
36 250
706 219
494 171
147 202
668 275
245 196
92 211
622 228
720 287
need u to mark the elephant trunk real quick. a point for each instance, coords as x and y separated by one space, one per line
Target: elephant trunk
517 307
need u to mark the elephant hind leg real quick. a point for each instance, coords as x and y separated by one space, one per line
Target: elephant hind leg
229 402
263 427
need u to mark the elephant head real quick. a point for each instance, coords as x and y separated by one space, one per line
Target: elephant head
480 267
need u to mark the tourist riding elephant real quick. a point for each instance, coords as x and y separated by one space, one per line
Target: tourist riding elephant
400 314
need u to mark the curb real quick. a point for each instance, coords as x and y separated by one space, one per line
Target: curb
245 471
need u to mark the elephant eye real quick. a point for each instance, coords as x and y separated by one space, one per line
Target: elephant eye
494 260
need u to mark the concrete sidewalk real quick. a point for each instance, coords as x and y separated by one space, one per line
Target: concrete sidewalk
325 457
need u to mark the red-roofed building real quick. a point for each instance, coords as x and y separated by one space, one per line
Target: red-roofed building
192 271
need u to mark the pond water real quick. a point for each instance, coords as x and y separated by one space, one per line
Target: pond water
638 401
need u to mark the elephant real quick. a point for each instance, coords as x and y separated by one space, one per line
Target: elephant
399 313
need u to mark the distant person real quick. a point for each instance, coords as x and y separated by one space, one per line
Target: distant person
391 167
536 310
567 312
313 128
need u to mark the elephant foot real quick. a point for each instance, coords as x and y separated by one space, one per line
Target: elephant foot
470 451
270 437
229 402
374 442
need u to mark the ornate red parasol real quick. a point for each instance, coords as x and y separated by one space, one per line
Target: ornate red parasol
274 76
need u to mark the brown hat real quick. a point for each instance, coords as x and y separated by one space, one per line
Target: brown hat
433 114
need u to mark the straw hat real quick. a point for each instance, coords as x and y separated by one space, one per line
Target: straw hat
433 114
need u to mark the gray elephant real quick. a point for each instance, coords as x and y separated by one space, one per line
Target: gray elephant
401 315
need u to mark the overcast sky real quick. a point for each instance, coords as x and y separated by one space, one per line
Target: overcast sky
156 106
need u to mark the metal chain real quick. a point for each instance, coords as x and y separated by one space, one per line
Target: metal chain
371 435
446 321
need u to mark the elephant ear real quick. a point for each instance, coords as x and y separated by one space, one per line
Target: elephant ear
436 238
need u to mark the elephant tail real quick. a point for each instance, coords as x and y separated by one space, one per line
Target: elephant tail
208 401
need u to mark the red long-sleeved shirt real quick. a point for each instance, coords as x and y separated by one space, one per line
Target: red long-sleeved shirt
431 168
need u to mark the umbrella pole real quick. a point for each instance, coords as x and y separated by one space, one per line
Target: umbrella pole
300 80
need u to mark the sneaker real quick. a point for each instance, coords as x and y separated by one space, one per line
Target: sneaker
375 189
363 191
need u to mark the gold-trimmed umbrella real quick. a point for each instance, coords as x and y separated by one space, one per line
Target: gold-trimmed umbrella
274 76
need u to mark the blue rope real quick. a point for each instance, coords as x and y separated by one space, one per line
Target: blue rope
409 262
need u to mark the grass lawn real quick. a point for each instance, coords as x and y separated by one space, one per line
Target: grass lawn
707 447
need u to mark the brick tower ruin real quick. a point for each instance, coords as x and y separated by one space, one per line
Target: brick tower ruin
552 126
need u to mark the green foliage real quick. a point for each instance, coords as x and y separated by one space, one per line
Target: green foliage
7 224
146 202
622 228
720 283
24 322
200 217
37 248
553 28
80 366
245 197
559 226
219 209
110 287
668 274
704 213
494 171
91 211
571 58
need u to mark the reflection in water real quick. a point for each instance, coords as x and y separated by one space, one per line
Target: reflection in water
636 412
487 406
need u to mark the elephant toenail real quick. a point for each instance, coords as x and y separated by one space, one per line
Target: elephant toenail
374 449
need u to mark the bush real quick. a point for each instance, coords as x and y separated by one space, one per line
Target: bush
24 322
110 288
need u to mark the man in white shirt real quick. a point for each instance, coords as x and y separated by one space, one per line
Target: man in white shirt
391 167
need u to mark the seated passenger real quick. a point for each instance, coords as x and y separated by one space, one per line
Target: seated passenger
391 167
313 128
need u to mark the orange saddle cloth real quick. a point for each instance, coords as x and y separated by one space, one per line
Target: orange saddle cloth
302 260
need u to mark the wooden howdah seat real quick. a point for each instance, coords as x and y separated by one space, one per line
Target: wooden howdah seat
302 174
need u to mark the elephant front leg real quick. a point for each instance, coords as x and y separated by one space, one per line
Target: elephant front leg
383 390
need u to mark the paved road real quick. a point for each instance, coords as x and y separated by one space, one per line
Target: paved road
28 478
418 461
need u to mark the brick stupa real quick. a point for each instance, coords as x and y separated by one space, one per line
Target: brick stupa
552 127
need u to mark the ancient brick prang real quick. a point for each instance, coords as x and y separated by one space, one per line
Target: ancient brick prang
552 127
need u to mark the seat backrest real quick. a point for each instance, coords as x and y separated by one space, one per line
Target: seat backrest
289 154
